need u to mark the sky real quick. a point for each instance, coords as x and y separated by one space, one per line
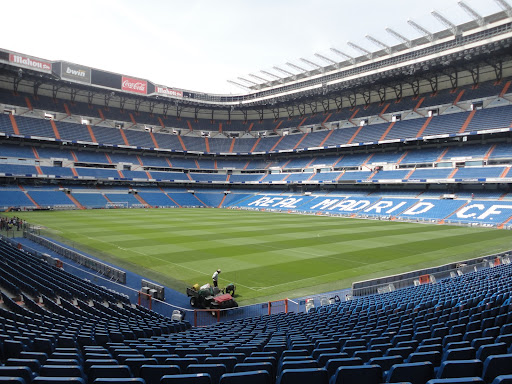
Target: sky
200 44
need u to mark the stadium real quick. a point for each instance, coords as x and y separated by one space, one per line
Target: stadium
356 210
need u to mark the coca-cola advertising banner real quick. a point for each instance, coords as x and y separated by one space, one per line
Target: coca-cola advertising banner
168 91
134 85
30 62
75 72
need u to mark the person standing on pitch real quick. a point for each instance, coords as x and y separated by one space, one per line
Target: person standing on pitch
215 277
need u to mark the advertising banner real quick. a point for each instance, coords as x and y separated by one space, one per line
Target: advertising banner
168 91
30 62
75 72
134 85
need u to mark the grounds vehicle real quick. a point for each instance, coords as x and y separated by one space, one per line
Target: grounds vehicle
211 297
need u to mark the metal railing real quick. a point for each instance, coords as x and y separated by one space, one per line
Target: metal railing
105 269
388 283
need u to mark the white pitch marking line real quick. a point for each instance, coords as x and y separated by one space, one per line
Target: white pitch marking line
157 258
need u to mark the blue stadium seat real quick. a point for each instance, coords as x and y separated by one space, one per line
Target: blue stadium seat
459 380
229 362
249 377
108 371
503 379
153 373
368 374
460 368
214 370
433 356
324 357
33 364
191 378
261 366
491 349
136 363
303 376
415 373
459 354
58 380
119 380
62 371
497 365
183 362
89 362
333 364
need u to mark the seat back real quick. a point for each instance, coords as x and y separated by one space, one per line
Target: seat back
119 380
182 362
333 364
109 371
187 378
229 362
324 357
24 372
433 356
460 368
415 373
386 362
62 371
152 373
33 364
303 376
296 364
137 362
214 370
250 377
496 365
467 353
490 349
262 366
58 380
356 374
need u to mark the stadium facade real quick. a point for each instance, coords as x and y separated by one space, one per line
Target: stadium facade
419 131
429 118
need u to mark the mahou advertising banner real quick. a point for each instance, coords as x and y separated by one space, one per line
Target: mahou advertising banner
168 91
30 62
134 85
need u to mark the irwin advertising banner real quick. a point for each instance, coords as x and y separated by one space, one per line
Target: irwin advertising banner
134 85
75 72
30 62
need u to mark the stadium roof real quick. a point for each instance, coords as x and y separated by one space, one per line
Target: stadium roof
455 45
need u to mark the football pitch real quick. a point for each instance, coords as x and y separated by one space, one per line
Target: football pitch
267 255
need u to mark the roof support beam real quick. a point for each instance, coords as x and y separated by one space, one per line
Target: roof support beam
315 65
379 43
421 30
296 67
258 78
505 6
247 81
360 49
283 71
344 55
399 37
245 88
271 75
327 59
447 23
471 12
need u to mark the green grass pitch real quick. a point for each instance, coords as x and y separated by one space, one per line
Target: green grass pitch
268 255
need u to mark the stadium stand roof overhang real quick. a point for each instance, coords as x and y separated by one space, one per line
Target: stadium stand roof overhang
445 60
